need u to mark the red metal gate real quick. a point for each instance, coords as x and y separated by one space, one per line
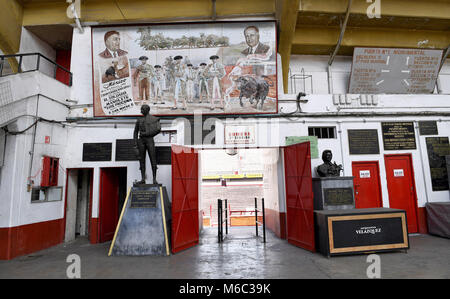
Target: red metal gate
299 196
185 222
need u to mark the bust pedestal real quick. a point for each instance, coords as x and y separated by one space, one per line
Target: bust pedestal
333 193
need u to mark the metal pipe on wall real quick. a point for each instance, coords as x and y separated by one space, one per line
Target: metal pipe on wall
336 49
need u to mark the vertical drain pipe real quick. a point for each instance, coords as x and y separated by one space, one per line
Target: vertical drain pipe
29 185
336 49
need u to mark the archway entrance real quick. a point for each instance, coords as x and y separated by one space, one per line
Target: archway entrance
294 204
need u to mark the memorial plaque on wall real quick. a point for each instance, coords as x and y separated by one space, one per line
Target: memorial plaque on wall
126 151
394 71
398 136
97 152
438 148
428 128
363 142
163 155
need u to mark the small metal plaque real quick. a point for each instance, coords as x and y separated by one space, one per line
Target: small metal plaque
363 142
143 198
338 196
428 128
97 151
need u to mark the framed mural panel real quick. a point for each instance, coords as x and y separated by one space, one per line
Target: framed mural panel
179 69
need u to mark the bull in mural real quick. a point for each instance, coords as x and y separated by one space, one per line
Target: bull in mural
253 89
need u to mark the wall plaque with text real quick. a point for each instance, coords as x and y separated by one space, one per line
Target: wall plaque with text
126 151
428 128
398 136
363 142
97 151
438 148
394 71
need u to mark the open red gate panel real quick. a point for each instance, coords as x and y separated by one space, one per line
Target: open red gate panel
185 222
299 195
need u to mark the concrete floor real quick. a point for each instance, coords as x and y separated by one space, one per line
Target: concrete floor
242 255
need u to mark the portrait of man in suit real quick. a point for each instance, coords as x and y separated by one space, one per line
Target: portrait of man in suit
112 43
251 34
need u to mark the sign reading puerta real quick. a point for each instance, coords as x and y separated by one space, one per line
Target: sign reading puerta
179 69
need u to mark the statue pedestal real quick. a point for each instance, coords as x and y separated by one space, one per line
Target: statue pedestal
333 193
144 224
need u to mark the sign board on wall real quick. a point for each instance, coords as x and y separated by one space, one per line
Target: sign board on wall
398 135
182 68
240 134
398 71
313 143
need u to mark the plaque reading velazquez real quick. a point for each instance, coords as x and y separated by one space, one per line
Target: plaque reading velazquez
438 148
97 151
398 136
143 198
367 232
363 142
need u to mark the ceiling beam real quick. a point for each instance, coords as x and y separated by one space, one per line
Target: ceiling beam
124 11
10 29
287 15
321 40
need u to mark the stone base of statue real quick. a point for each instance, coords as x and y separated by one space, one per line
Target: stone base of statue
144 223
333 193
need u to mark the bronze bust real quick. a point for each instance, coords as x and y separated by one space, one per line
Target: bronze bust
328 169
146 128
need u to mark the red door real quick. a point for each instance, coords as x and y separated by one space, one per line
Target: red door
109 201
299 196
185 223
401 187
367 185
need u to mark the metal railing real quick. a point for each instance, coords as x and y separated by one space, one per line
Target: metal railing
220 221
263 223
39 59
